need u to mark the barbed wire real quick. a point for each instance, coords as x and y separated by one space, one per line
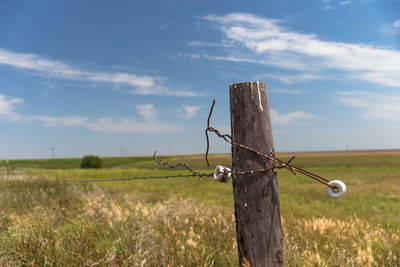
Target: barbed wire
278 164
122 179
180 164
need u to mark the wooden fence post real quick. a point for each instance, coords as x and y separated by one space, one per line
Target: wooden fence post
257 211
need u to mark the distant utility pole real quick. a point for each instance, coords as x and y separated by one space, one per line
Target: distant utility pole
169 149
53 152
122 151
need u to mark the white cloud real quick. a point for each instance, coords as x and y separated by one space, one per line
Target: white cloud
267 42
188 112
344 3
287 91
7 107
390 30
290 118
125 125
139 84
128 126
287 63
374 106
105 124
290 78
164 91
203 44
63 121
148 111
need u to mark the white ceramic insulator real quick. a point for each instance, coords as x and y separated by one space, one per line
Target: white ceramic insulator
222 174
339 185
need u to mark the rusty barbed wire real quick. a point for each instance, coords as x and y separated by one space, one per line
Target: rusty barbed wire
279 164
193 173
180 164
120 179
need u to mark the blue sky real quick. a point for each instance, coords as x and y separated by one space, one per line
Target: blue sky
92 77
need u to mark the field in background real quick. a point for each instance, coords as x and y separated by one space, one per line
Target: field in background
190 222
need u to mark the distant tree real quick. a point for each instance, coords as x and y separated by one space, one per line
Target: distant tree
89 162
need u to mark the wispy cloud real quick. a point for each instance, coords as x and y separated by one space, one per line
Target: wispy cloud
129 126
290 78
344 3
210 44
266 41
165 25
374 106
326 4
287 91
148 111
392 29
287 63
188 112
7 108
104 124
291 118
136 84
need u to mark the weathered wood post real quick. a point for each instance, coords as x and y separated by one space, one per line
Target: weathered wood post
257 211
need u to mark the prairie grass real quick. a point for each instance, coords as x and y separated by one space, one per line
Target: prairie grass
55 224
190 222
329 242
52 224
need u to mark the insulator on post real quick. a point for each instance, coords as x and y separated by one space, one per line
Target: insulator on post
338 190
222 174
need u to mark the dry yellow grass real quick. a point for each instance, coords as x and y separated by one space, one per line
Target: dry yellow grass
327 242
95 227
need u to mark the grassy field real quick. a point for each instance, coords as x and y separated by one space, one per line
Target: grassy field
190 222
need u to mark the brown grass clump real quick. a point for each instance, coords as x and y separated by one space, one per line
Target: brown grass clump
328 242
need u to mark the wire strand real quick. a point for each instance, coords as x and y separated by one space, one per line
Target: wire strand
280 163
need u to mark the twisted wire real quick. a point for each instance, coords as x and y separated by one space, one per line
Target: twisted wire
279 164
193 173
122 179
180 164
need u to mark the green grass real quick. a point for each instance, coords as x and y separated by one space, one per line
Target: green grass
372 182
112 162
176 222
